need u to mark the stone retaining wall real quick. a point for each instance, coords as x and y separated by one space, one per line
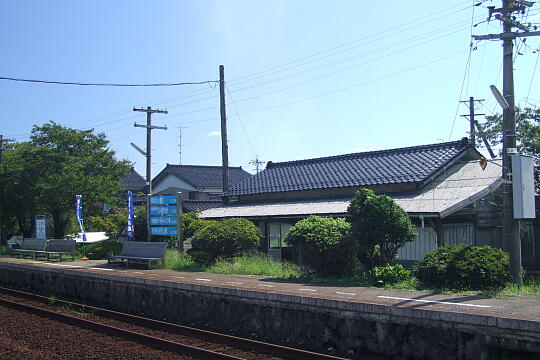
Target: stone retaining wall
357 330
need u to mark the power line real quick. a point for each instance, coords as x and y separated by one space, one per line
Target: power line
338 90
239 119
312 79
467 68
106 84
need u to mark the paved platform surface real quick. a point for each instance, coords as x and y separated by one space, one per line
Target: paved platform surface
517 307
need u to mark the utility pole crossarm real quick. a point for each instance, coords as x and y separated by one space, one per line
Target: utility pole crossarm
507 35
151 126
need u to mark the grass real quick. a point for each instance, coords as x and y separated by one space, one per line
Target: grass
261 265
181 262
258 264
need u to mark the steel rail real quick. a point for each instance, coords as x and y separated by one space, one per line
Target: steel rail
143 339
233 341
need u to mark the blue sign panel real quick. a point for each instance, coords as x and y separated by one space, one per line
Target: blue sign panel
162 199
163 210
163 220
163 230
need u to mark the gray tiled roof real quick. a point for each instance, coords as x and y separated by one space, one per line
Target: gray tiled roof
460 185
194 205
201 176
402 165
133 181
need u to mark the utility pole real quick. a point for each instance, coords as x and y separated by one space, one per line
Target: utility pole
149 111
471 115
179 145
511 238
224 145
475 125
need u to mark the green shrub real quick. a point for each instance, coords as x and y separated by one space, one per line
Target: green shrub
191 223
224 239
379 226
99 250
389 274
464 267
325 244
4 250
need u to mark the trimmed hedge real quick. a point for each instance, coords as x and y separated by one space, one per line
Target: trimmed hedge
224 239
464 267
379 226
325 244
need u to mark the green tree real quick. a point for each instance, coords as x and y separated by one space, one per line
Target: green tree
325 244
113 224
527 130
17 193
379 226
59 163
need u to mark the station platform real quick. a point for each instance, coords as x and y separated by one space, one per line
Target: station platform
251 303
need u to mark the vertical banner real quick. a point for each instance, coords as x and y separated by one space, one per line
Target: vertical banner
79 213
130 218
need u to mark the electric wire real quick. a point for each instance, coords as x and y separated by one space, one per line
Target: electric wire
104 84
316 78
240 120
532 77
467 70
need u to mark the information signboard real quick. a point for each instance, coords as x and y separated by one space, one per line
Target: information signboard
163 200
41 227
163 215
164 230
164 210
163 220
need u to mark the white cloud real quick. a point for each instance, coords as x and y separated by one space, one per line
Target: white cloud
214 133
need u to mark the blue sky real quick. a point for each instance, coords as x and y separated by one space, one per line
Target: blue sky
305 78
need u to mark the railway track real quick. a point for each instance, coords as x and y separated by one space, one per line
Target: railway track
191 341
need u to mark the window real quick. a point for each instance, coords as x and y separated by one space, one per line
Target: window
276 235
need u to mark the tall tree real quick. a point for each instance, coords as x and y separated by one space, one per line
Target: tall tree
59 163
527 130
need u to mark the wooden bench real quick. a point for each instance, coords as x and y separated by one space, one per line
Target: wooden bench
30 247
138 252
57 249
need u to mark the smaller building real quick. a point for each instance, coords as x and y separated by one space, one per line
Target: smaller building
134 182
201 185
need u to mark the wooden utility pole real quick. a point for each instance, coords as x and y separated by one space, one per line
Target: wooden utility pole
149 111
472 121
511 238
224 145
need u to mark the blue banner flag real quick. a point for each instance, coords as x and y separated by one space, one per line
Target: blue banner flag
79 213
130 220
